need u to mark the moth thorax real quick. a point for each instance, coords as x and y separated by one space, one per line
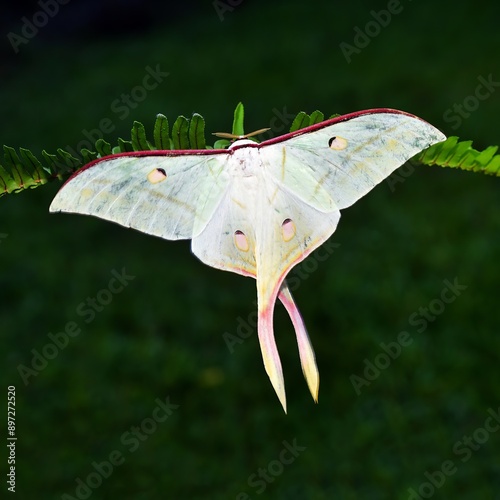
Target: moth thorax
242 142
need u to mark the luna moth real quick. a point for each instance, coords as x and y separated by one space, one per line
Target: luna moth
254 209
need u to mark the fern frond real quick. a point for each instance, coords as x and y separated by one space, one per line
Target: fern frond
23 170
453 153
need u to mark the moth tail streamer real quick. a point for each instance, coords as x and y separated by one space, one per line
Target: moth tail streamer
270 355
306 351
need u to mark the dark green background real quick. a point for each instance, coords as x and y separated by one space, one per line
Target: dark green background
163 335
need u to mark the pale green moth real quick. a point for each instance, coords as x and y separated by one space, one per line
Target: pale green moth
254 209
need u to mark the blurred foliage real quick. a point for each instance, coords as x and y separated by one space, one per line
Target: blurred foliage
162 336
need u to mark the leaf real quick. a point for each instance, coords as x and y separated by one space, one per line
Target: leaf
125 146
160 134
138 135
493 167
300 121
239 114
72 162
221 144
87 155
316 117
459 151
447 153
197 132
52 162
103 147
180 133
27 157
22 178
7 183
487 155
